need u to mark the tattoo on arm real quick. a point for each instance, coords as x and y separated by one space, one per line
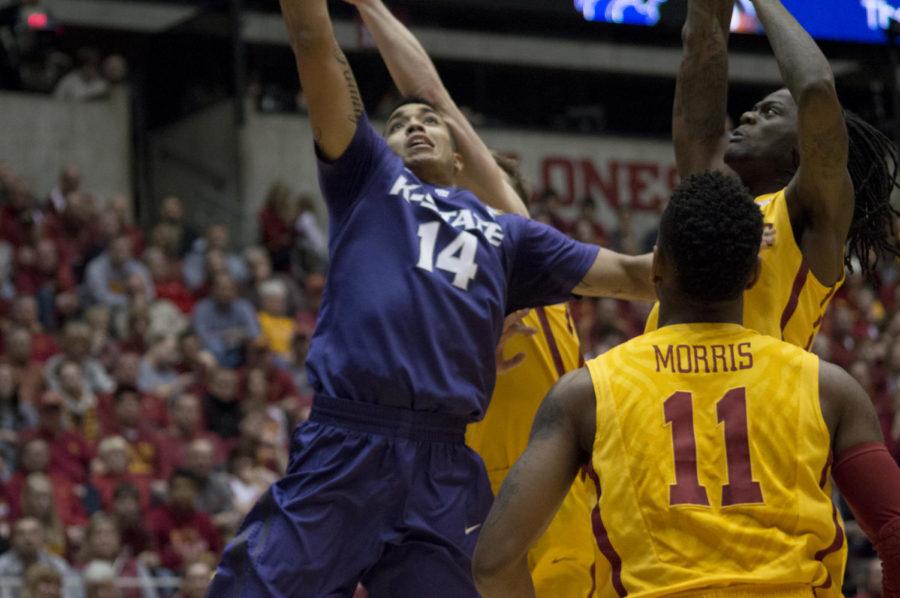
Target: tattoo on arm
347 72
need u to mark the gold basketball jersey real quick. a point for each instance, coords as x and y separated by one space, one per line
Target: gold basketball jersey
561 561
711 465
502 436
787 302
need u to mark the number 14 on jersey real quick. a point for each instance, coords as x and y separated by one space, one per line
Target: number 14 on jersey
458 257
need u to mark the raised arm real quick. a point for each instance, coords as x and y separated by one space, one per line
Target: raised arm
620 276
325 76
561 442
414 74
701 89
820 196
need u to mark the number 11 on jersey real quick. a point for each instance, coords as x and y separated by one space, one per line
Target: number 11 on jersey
732 413
457 258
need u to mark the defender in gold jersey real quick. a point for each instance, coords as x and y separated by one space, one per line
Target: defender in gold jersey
710 444
562 560
822 177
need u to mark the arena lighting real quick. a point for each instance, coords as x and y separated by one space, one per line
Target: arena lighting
38 20
860 21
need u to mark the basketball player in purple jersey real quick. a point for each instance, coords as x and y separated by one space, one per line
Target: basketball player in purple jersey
380 487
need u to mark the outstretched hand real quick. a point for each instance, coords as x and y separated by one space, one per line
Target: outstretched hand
512 326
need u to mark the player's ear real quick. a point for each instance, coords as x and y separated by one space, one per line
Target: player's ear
754 277
457 164
658 264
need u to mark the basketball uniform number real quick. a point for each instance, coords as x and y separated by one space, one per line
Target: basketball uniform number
732 412
458 257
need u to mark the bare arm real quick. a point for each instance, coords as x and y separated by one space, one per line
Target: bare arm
820 196
325 76
701 89
847 410
620 276
414 74
560 443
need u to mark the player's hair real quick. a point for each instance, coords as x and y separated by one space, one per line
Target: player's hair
406 100
711 232
873 165
511 168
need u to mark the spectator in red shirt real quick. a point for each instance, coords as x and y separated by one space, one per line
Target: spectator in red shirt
18 217
80 401
103 543
185 427
274 383
51 281
133 325
142 439
136 537
183 533
70 454
75 230
69 182
35 458
28 371
120 207
195 359
111 470
153 409
167 280
24 313
276 225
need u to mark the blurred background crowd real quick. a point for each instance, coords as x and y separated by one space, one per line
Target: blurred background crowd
156 308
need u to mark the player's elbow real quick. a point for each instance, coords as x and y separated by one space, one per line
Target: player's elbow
430 91
817 85
309 40
489 565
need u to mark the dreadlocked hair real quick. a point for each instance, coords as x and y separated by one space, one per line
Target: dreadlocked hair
873 165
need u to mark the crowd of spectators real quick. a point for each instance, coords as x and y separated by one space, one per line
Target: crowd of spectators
149 380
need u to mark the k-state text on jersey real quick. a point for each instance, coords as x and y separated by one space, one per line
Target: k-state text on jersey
464 219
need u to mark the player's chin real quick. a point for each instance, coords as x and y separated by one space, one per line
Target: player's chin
418 157
735 153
